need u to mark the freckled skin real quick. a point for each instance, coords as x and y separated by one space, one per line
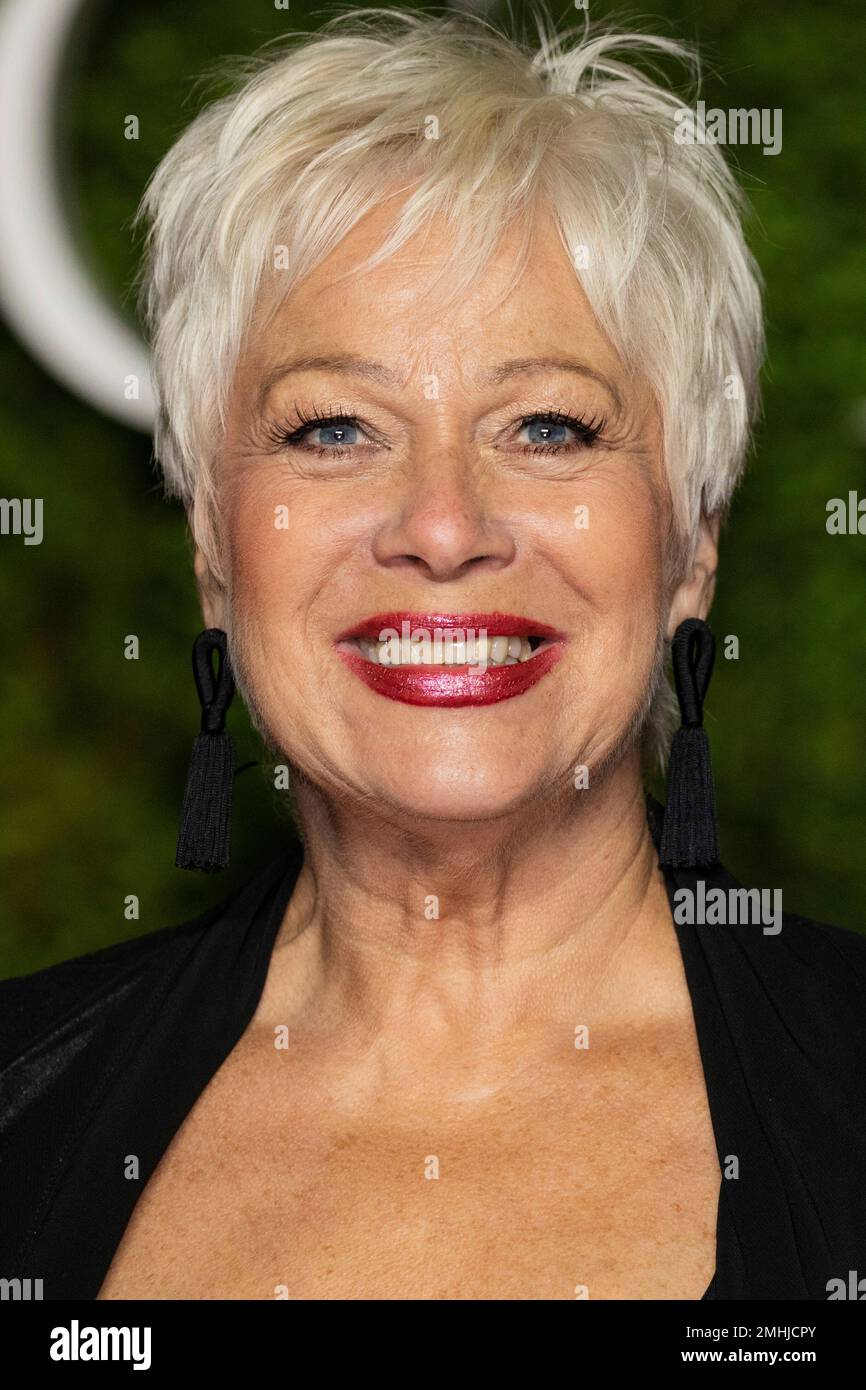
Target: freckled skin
449 1036
447 510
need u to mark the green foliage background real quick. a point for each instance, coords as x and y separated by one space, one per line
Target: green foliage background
95 747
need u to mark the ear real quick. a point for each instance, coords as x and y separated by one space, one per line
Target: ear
694 595
211 595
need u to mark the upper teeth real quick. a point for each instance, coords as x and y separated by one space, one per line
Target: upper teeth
445 651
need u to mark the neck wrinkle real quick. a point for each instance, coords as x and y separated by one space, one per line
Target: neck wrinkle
563 907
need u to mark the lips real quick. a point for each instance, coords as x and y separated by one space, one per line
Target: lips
453 681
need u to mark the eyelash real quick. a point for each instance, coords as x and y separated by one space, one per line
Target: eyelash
587 430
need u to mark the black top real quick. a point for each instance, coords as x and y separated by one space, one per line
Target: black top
105 1055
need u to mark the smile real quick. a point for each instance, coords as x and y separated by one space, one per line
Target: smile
450 659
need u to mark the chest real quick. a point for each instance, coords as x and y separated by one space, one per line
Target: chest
595 1180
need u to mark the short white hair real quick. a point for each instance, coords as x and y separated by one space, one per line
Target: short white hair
320 127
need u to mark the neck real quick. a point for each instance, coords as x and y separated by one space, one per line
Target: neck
443 929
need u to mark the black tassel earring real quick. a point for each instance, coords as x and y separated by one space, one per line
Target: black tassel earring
689 835
203 842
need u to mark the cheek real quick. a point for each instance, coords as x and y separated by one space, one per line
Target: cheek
287 549
269 585
276 554
258 553
623 555
288 539
607 544
613 562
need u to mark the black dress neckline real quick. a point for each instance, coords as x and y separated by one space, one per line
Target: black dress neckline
103 1057
284 873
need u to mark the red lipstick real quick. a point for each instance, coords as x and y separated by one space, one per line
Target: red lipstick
450 685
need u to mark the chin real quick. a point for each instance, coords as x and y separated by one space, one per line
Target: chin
424 789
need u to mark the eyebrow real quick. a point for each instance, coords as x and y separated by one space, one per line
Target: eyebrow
349 364
559 364
345 363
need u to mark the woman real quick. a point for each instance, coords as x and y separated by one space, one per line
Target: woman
457 349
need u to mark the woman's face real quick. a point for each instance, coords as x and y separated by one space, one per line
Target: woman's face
453 492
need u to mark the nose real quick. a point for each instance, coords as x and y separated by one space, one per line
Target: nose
442 527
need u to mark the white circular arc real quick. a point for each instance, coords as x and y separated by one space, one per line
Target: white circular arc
45 290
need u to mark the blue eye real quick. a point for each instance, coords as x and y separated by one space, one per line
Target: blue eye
548 432
542 432
336 435
335 432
